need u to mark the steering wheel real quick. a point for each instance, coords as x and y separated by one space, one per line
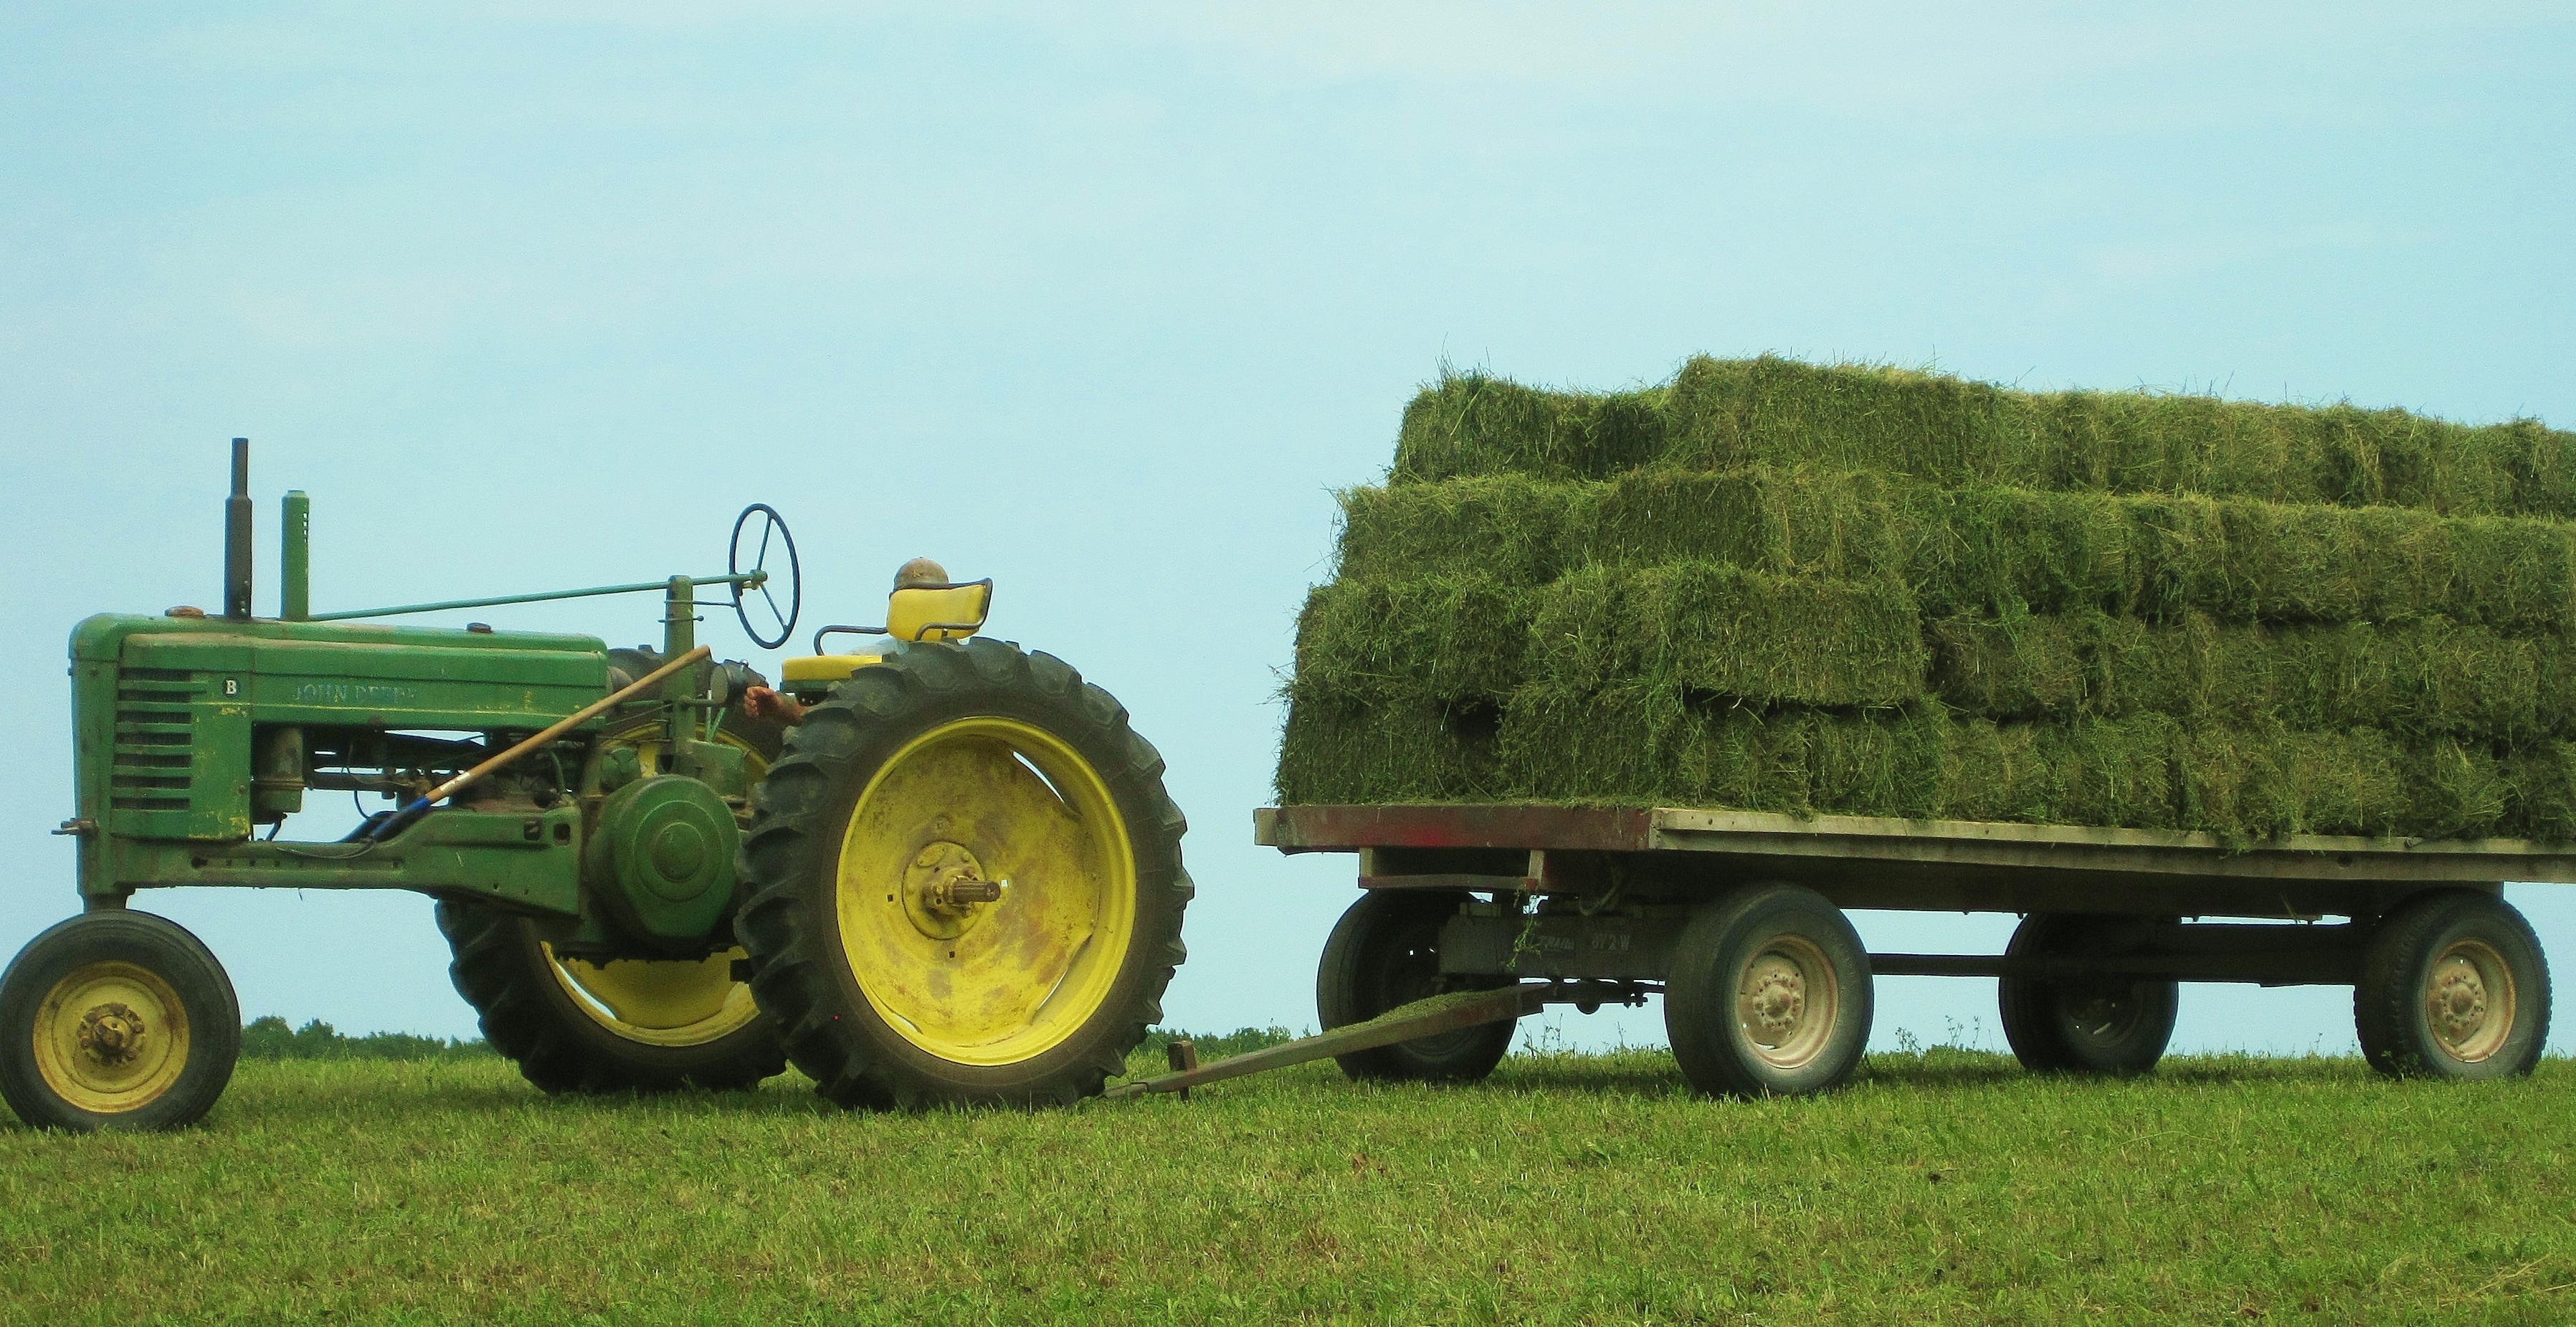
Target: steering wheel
770 531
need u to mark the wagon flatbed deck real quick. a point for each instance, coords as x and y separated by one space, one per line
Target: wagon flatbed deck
1876 862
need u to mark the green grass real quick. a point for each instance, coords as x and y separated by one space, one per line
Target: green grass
1943 1187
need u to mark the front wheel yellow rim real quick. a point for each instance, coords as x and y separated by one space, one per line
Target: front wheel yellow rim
986 892
676 1002
111 1037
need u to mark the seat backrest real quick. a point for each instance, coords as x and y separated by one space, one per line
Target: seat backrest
938 612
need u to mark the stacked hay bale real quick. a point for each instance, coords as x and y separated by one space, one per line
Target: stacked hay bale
1775 586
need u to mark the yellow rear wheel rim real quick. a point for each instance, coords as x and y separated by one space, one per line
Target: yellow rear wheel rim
677 1002
111 1037
972 803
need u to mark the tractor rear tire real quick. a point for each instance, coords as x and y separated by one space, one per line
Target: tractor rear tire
2453 985
922 784
1769 995
2109 1025
1384 953
116 1020
629 1026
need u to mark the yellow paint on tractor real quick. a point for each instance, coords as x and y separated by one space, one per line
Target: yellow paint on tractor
986 801
823 669
664 1002
111 1037
678 1002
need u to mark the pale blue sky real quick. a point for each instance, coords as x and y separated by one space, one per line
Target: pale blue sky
1104 302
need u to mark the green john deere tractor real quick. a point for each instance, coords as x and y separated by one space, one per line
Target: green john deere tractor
944 872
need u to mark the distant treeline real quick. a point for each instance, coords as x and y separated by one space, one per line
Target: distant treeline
271 1039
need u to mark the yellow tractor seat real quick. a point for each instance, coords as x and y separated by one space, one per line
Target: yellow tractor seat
914 613
823 670
938 612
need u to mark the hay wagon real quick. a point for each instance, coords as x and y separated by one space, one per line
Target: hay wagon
1472 916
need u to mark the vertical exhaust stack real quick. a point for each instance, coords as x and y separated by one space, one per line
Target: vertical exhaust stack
237 537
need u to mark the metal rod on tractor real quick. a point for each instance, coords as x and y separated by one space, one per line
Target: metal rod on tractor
401 820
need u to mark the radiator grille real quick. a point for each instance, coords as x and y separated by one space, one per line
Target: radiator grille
155 740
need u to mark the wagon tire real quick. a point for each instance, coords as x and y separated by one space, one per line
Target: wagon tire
1385 953
1769 995
2109 1025
2453 985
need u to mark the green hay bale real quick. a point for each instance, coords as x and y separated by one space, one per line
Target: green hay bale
1997 550
1721 414
1442 639
1472 424
1507 528
2251 561
1341 748
1689 628
2542 780
2257 783
1650 748
1785 520
1719 631
2005 550
1727 413
2419 679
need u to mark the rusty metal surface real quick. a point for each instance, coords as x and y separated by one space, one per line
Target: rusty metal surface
1483 825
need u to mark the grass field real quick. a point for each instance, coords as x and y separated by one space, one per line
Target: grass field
1943 1187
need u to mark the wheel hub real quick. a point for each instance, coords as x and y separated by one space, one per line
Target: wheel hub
112 1034
1786 1002
2469 1000
945 892
1777 999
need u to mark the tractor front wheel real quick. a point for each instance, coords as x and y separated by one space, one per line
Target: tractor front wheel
966 883
116 1020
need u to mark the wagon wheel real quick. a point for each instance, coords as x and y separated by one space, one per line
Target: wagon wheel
2106 1024
1384 953
1769 995
2453 985
966 883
